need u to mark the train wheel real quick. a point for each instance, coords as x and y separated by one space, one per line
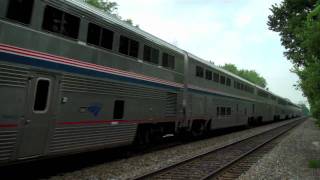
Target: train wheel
198 129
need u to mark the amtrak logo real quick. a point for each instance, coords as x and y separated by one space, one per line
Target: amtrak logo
95 109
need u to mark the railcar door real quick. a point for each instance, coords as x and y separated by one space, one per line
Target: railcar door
39 112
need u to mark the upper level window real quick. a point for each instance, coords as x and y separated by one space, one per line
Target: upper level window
151 54
129 46
222 80
61 22
168 61
208 75
228 111
228 82
263 94
216 77
20 10
99 36
199 71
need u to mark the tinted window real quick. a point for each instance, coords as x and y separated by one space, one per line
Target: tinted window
222 111
134 48
124 45
228 82
129 46
222 79
20 10
94 34
216 77
100 36
168 61
199 71
228 111
61 22
118 110
208 75
41 96
150 54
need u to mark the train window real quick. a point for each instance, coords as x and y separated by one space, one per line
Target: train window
124 45
151 54
134 48
218 111
118 110
42 95
208 75
20 10
100 36
61 22
128 46
228 111
199 71
216 77
228 82
222 111
235 84
168 61
241 86
238 85
222 79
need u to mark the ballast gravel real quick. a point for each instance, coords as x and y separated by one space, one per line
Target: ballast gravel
290 158
141 164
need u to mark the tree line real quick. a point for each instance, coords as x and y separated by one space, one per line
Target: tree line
249 75
298 23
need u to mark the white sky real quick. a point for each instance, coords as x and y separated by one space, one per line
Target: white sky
223 31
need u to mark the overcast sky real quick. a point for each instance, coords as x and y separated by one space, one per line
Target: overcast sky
223 31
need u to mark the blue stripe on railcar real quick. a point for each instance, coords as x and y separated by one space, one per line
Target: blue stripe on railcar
77 70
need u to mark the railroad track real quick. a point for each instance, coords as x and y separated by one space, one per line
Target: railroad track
220 163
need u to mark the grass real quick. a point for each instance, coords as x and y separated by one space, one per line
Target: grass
314 164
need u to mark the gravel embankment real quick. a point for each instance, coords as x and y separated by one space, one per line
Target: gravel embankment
137 165
290 158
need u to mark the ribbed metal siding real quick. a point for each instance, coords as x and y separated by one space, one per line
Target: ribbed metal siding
70 138
7 144
10 77
171 105
85 85
13 76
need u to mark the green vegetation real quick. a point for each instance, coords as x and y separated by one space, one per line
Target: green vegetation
298 23
314 164
305 109
108 7
249 75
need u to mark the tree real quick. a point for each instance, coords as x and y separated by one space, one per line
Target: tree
249 75
298 23
108 7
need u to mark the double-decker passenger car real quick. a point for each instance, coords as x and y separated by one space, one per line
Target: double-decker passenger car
73 78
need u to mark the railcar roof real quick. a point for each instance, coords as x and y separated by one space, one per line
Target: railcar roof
113 20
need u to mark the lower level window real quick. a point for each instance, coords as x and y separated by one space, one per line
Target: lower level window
42 95
118 110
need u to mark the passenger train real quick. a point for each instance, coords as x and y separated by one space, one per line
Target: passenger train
73 79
